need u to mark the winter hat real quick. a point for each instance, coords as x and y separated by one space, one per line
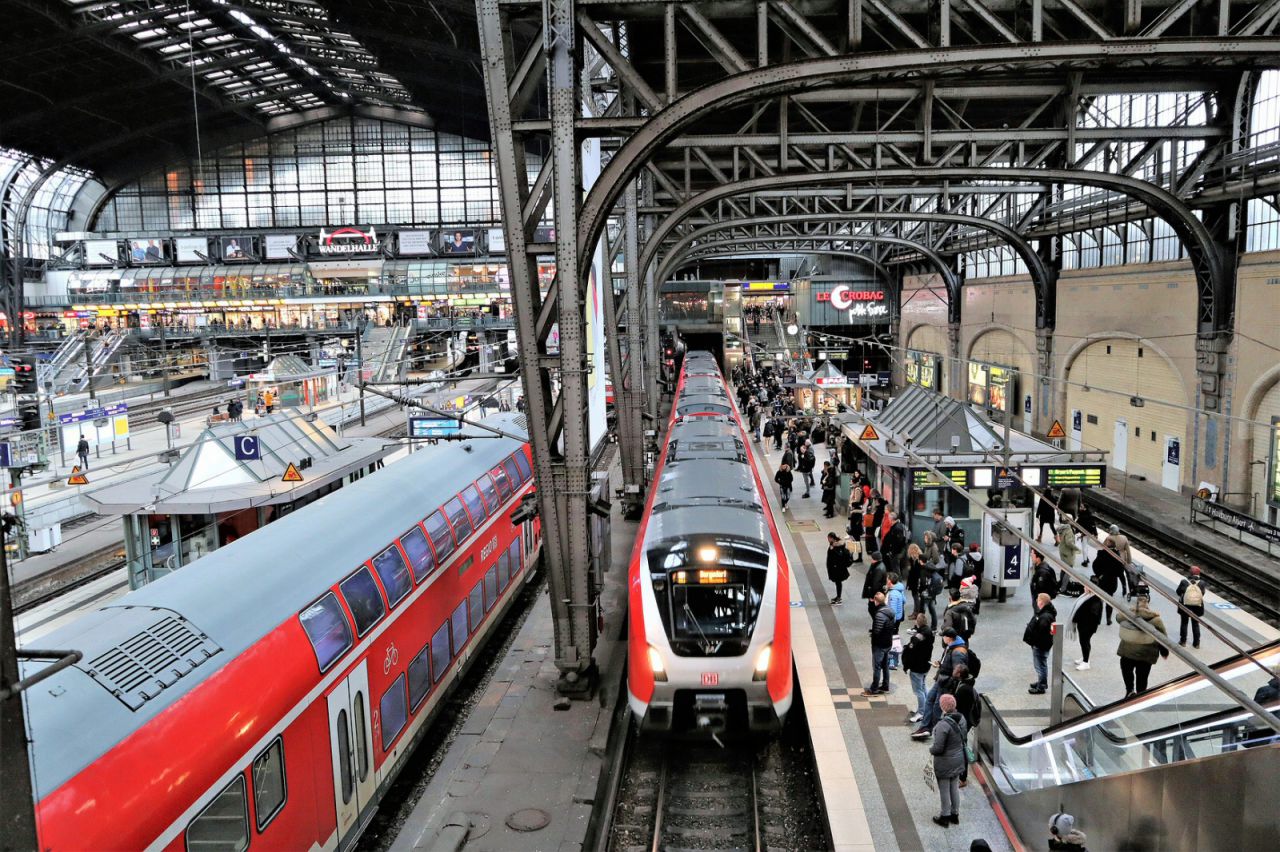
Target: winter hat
875 556
973 546
947 702
1195 570
948 520
1061 824
1115 530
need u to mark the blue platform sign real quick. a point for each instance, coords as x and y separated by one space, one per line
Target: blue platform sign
6 454
1013 562
247 448
434 427
93 413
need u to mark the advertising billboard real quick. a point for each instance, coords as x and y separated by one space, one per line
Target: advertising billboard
101 252
1273 481
414 242
977 383
281 246
347 241
236 249
1000 387
191 249
460 241
848 303
148 250
497 241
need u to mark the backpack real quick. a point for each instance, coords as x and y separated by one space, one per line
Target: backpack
972 662
935 583
1193 596
964 621
768 429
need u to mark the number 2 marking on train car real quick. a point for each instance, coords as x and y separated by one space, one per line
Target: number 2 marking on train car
711 678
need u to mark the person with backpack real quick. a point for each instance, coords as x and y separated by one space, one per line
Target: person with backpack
807 462
838 561
959 616
1039 635
873 583
1085 620
1044 580
916 662
785 479
955 650
1191 595
883 628
953 559
967 705
1138 651
949 760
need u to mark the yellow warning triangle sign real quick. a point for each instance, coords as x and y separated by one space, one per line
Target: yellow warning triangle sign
77 478
869 433
1056 430
291 474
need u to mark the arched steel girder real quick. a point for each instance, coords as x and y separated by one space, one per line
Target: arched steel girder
1040 275
949 275
1213 282
825 252
813 74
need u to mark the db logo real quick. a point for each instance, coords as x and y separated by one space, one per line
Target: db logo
393 657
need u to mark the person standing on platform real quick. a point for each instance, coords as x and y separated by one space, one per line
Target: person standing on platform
1108 570
894 542
838 562
939 525
1086 617
916 662
952 533
1044 580
785 480
269 400
830 479
873 582
789 457
857 501
1191 595
1064 534
1118 543
1064 836
954 651
1039 635
806 463
959 616
1139 651
1045 513
949 760
82 452
883 628
1088 522
917 577
963 687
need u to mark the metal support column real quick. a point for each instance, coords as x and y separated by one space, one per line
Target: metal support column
629 385
557 423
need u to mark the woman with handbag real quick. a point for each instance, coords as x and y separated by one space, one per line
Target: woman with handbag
949 759
1138 650
857 500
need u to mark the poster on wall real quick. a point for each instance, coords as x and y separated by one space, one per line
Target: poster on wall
281 246
929 371
236 249
911 367
415 242
148 250
999 387
977 383
458 241
191 249
101 252
1273 483
497 241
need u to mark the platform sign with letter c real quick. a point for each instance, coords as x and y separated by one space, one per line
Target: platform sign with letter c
247 448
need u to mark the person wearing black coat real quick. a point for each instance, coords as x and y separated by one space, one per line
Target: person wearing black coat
1039 635
1044 580
1085 620
874 581
838 561
916 661
1046 515
830 479
1108 570
785 480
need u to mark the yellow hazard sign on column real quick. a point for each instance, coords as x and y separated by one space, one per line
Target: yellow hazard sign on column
1056 430
77 478
869 433
291 474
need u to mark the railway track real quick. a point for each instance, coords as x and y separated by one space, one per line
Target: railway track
1256 592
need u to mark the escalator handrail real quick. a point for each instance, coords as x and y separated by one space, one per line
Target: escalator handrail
1163 689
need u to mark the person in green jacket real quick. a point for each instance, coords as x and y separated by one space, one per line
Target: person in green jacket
1138 650
1065 535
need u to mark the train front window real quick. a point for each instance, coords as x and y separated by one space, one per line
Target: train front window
709 614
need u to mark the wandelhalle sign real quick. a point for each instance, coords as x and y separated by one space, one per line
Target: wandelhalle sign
859 304
347 241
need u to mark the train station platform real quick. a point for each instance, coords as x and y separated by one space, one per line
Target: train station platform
524 773
887 763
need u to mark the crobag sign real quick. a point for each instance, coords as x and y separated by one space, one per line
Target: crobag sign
859 303
349 241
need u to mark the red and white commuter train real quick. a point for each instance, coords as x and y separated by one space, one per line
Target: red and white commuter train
709 585
265 697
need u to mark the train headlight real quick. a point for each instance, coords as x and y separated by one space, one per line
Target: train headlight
658 665
762 663
708 553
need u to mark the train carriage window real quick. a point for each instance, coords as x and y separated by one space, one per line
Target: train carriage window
269 783
394 712
223 826
490 587
458 628
419 677
504 485
514 552
504 569
475 605
364 599
458 518
421 560
490 493
475 506
394 574
441 539
522 462
440 652
513 473
326 626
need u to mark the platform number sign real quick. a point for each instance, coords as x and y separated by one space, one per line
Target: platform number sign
247 448
1013 562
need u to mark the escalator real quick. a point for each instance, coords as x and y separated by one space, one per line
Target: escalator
1182 766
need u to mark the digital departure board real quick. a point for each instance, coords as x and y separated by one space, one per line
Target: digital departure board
1080 476
925 478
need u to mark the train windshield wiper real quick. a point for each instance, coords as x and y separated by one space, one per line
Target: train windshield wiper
708 646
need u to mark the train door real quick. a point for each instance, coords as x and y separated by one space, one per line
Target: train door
351 747
1120 446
